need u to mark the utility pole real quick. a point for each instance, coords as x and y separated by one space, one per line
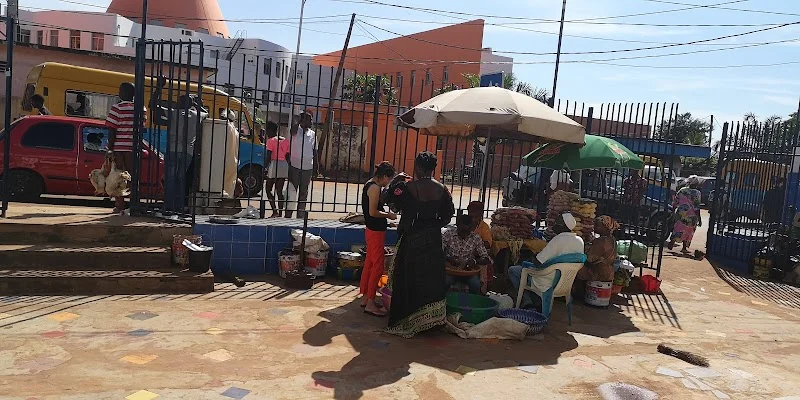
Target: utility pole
558 54
293 73
12 10
335 86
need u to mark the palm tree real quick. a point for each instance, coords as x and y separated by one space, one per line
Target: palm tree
511 82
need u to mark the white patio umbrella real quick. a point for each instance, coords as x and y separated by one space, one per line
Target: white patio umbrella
492 112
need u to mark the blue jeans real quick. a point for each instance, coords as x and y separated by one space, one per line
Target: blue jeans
528 298
474 282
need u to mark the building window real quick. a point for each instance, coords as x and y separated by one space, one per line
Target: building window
180 26
74 39
40 37
267 66
413 78
427 76
186 32
155 22
98 41
286 72
278 70
399 81
275 99
54 38
203 30
298 79
215 54
445 75
23 35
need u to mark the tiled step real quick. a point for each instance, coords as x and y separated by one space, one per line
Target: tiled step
16 282
130 234
83 257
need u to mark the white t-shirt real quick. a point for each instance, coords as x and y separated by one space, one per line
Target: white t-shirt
303 146
559 176
563 243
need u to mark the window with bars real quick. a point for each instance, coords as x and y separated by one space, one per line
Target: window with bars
54 38
23 35
267 66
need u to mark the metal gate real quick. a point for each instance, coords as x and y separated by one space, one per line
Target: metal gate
756 190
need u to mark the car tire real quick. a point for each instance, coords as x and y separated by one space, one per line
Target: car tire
24 185
252 177
659 227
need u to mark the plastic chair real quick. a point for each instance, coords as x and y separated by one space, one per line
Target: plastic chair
553 281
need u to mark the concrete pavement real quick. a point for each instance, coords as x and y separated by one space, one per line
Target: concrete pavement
264 342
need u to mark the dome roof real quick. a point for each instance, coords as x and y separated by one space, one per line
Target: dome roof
197 15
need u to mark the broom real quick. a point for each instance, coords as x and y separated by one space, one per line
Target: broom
690 358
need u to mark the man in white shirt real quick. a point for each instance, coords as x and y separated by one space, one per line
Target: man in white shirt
302 161
565 242
560 180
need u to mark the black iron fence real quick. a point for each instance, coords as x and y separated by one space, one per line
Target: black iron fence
355 127
755 194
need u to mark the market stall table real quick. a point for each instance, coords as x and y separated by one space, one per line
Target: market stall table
532 245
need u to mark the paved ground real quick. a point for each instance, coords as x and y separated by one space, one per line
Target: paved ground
263 342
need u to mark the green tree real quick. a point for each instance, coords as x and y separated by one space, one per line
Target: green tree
446 88
511 82
362 88
685 129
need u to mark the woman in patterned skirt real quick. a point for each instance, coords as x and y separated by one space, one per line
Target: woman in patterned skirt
417 278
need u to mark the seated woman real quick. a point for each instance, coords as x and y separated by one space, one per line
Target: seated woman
464 249
600 255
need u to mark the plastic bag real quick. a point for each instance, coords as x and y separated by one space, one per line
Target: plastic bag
314 243
505 301
634 251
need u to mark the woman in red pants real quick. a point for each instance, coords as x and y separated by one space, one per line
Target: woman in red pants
376 220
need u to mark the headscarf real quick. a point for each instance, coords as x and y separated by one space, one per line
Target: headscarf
475 206
608 222
569 220
692 181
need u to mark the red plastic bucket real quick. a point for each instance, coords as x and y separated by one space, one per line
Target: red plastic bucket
598 293
287 262
180 254
317 263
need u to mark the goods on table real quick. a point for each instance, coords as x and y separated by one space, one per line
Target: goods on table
500 233
584 211
519 221
559 203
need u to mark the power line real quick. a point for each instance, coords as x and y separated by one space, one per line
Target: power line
592 51
726 8
384 60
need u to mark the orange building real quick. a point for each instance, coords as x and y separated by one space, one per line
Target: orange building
420 63
198 15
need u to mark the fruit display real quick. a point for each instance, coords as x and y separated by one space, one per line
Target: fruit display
519 222
584 211
560 202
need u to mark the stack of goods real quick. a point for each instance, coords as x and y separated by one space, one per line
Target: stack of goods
349 265
560 202
519 222
500 233
584 211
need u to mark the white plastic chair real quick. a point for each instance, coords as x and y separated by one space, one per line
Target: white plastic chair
553 281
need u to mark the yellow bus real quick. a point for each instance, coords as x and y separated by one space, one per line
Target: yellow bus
70 90
747 182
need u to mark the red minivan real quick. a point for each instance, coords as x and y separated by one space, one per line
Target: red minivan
55 155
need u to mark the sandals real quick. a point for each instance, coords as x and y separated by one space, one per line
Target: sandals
375 314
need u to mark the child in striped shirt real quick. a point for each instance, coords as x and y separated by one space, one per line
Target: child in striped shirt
120 141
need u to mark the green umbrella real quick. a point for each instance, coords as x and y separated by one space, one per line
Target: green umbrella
598 152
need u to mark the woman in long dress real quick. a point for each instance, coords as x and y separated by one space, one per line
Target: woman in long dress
687 214
417 277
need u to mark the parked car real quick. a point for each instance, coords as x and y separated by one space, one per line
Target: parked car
707 190
55 155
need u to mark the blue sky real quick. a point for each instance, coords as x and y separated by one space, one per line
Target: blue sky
725 93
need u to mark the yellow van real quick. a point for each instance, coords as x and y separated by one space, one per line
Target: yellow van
69 90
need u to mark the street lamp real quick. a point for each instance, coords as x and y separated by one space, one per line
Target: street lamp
296 63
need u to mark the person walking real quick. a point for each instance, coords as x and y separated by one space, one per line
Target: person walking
375 218
302 162
277 168
687 214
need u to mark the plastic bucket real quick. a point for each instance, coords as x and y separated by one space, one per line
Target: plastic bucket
598 293
317 263
287 262
180 253
386 296
199 261
348 274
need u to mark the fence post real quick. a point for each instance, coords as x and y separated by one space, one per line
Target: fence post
377 103
589 121
712 220
11 11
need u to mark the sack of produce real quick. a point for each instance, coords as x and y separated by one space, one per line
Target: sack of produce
634 251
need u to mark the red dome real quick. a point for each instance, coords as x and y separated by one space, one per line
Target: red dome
197 15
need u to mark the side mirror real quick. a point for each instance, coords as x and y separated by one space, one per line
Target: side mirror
145 154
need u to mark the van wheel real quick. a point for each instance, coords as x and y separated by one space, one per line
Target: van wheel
252 177
24 185
659 227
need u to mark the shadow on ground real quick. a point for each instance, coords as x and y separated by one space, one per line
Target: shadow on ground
385 359
769 290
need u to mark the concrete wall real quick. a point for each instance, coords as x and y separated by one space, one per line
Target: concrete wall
493 63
